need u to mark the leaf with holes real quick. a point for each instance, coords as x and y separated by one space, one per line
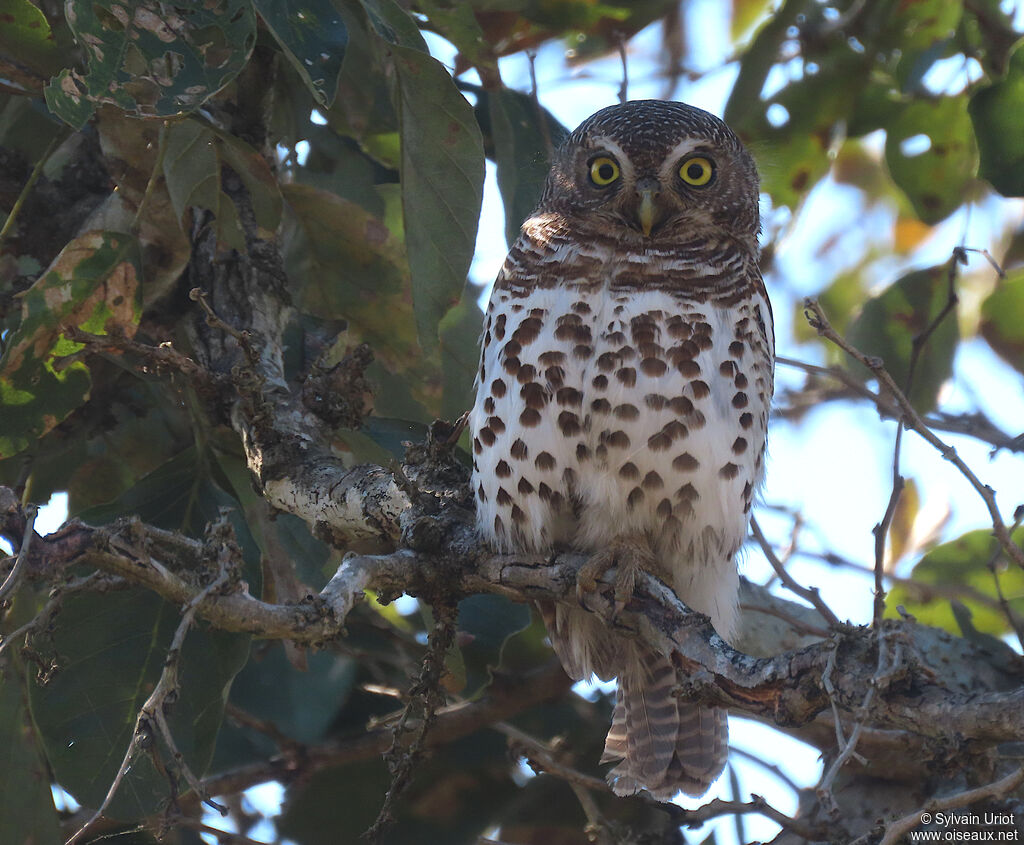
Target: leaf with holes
931 154
888 323
152 59
313 36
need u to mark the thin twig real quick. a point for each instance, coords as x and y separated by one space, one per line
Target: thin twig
425 695
764 764
811 594
152 711
718 807
817 319
849 747
544 757
37 171
881 530
624 85
895 831
21 562
975 425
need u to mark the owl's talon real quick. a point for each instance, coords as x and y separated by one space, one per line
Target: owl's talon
628 556
589 574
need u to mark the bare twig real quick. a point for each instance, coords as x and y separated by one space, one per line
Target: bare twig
426 696
543 758
718 807
153 711
975 425
21 561
811 594
816 317
997 789
881 530
624 85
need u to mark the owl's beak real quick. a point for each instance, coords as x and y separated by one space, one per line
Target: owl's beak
647 189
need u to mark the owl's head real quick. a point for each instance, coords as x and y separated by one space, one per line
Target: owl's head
659 169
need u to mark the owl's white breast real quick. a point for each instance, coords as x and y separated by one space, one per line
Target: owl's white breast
603 412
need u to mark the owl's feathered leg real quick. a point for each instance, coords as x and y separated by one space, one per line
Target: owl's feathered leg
665 745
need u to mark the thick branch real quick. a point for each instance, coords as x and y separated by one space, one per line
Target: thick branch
785 689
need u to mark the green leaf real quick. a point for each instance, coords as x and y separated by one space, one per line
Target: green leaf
363 109
460 353
935 180
888 323
193 158
522 133
457 22
960 567
111 648
442 184
995 112
25 36
488 621
302 705
313 36
92 284
349 264
392 23
150 59
27 814
1002 319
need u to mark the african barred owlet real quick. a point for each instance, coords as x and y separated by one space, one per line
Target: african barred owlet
622 403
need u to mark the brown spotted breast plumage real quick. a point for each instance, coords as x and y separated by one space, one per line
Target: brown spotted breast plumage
623 398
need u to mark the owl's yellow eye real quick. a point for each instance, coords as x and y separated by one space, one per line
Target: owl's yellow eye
696 171
603 171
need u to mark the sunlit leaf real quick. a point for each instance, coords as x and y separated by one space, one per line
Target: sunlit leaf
25 37
963 568
151 59
931 154
1002 319
94 285
901 530
888 324
995 112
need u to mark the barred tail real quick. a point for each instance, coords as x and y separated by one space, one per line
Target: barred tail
665 745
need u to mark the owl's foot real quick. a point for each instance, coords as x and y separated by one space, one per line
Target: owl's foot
629 556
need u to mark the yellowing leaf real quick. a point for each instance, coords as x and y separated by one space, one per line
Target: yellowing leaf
93 284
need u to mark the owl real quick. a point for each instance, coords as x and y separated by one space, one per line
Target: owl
622 404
